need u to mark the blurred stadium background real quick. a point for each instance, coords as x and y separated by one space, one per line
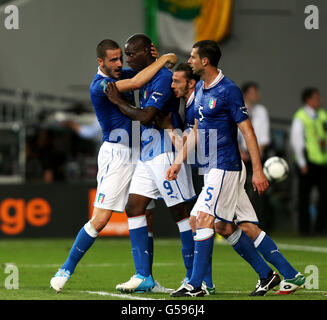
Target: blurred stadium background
48 171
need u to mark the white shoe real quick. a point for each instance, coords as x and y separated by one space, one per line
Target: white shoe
288 286
158 288
59 280
137 283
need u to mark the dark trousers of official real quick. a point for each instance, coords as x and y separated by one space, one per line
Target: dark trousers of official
316 177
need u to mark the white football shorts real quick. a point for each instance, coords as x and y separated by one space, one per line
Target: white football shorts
149 180
115 171
224 197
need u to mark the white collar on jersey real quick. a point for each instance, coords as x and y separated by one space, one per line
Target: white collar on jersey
216 81
189 100
310 111
101 73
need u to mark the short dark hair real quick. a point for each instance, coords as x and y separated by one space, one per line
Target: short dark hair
209 49
188 71
105 45
248 85
141 39
307 93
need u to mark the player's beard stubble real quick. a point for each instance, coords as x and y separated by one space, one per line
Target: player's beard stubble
111 72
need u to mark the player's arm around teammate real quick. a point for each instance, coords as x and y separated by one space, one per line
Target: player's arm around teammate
100 217
144 76
114 167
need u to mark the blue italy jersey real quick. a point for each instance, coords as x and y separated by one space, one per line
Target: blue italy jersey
220 108
158 94
116 127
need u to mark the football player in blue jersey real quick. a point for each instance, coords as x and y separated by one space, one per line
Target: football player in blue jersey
219 111
115 167
183 85
148 181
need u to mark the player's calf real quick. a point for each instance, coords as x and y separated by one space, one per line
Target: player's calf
100 218
83 242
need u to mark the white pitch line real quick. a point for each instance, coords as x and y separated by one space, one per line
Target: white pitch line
241 292
297 247
92 265
282 246
116 295
131 297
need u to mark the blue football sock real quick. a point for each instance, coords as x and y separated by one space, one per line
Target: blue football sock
187 240
267 247
208 274
187 251
138 234
245 248
202 253
150 244
82 243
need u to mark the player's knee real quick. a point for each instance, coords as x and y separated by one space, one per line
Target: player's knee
130 210
100 218
204 220
193 223
224 229
251 229
220 228
149 219
136 205
180 211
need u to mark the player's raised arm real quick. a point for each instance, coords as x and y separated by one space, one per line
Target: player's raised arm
144 76
259 180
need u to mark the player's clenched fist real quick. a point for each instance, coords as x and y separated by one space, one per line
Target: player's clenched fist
171 59
172 171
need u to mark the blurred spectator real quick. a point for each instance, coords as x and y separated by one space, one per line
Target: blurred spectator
52 156
259 118
61 151
86 131
261 125
309 142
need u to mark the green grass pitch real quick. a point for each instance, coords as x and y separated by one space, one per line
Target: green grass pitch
109 262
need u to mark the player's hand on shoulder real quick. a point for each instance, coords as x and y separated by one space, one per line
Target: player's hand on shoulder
171 59
259 182
112 93
154 51
172 171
